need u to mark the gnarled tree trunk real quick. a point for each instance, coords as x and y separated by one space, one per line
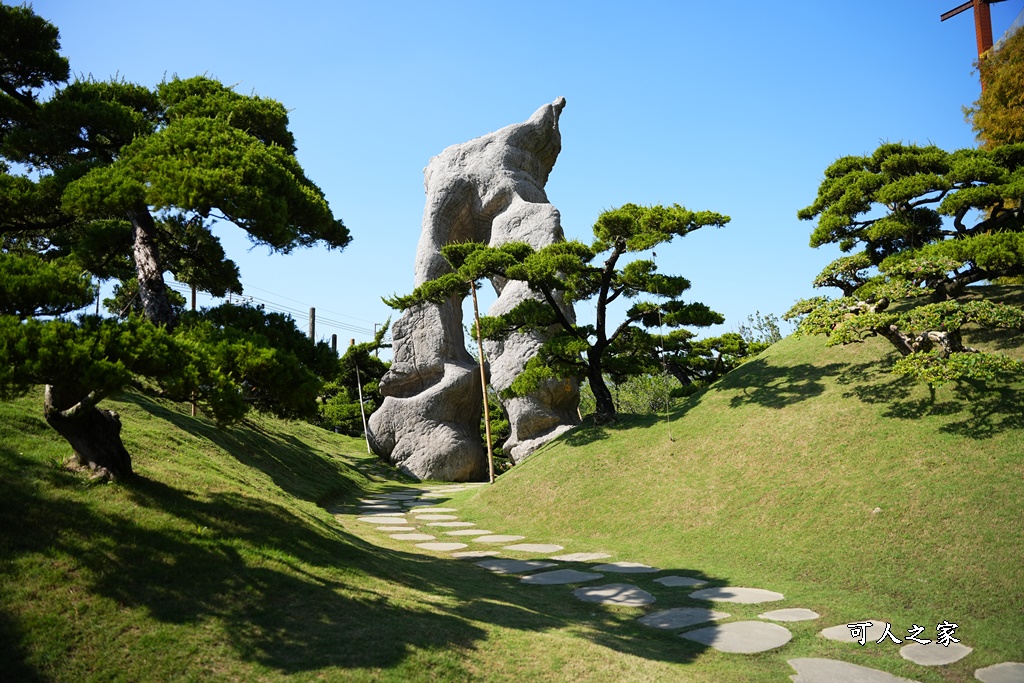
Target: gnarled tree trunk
94 434
152 290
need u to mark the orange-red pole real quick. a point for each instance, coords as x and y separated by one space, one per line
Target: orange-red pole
983 26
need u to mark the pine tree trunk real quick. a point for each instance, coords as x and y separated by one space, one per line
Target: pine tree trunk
152 291
604 410
94 434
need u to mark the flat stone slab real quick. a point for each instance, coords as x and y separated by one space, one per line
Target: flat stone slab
395 528
740 594
451 525
615 594
560 577
626 568
441 547
498 538
673 581
380 507
681 617
433 508
399 496
412 537
419 503
436 518
468 532
1007 672
791 614
843 634
514 566
934 654
383 514
475 554
741 637
819 670
581 557
535 548
382 520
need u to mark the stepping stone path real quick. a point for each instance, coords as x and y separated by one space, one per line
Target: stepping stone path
744 637
679 581
934 654
681 617
791 614
514 566
615 594
626 568
746 596
385 511
1007 672
560 577
534 548
812 670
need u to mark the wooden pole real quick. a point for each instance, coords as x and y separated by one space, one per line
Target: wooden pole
334 343
362 410
483 385
312 323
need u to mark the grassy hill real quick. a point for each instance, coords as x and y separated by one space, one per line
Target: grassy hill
810 471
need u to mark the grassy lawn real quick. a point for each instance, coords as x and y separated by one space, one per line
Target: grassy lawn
809 471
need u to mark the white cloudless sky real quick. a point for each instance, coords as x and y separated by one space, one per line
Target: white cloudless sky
735 107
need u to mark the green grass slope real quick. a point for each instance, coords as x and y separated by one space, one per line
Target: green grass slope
815 472
221 563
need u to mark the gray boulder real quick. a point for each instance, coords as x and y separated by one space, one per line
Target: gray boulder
490 190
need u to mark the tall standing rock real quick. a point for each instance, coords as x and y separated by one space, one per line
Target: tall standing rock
489 190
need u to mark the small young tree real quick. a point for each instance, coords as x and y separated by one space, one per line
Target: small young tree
564 273
998 115
339 401
927 224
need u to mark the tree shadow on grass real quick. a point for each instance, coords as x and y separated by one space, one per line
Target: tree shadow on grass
290 463
984 410
289 593
772 386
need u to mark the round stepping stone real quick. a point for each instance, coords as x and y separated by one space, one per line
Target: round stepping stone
934 654
747 596
419 503
475 554
395 528
1007 672
560 577
441 547
381 520
615 594
469 532
580 557
818 670
791 614
673 581
626 568
450 524
384 507
843 634
498 538
436 518
374 501
741 637
399 496
412 537
514 566
383 514
681 617
535 548
433 508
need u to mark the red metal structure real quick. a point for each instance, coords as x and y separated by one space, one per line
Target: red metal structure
982 22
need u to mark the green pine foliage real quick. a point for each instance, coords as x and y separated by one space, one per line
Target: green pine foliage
568 273
924 224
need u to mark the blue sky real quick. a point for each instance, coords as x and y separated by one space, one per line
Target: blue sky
735 107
